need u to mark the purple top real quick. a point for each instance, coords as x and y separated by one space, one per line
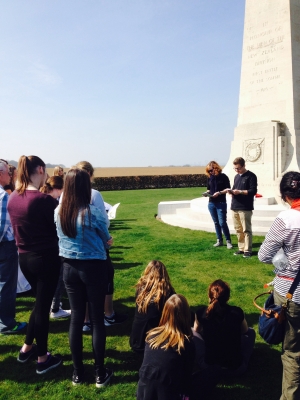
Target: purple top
32 218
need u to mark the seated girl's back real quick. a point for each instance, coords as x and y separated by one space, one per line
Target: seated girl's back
228 340
152 291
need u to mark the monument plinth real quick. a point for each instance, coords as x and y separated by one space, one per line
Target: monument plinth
267 135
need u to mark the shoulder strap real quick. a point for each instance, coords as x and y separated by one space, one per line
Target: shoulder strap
290 293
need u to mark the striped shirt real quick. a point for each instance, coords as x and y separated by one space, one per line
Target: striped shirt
284 233
6 230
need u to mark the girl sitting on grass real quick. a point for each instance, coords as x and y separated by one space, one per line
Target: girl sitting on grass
228 340
166 371
152 291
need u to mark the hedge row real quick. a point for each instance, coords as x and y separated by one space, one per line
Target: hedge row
149 182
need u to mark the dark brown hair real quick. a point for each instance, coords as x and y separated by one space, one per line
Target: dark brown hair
54 182
26 168
239 161
11 186
218 293
76 197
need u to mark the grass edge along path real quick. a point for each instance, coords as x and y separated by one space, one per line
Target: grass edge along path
192 262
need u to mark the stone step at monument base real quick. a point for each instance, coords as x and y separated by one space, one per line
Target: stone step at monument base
194 215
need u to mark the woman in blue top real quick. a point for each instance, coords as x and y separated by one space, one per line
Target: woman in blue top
83 239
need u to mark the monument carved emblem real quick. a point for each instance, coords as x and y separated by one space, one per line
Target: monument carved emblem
253 150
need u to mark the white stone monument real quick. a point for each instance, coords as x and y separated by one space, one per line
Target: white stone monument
267 135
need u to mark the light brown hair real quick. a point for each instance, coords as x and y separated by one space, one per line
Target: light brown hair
86 166
57 170
153 286
174 326
239 161
210 165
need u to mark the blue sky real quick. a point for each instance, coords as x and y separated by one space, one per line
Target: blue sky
120 83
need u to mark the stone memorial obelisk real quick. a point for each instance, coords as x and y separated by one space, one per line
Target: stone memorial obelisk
267 135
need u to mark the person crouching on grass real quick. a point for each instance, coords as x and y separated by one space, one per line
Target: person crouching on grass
166 372
152 291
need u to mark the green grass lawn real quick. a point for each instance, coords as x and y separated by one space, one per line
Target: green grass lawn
192 262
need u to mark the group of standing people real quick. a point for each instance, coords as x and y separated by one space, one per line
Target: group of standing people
242 203
41 233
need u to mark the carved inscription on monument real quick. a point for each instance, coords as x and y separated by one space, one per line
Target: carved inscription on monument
266 47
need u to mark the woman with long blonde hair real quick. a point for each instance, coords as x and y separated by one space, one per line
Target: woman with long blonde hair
169 356
152 291
58 171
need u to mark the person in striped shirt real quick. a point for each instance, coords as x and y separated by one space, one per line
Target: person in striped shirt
285 234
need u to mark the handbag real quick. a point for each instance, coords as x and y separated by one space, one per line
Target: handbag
271 321
271 326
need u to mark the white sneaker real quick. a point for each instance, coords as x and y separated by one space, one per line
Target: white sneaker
219 243
229 245
61 314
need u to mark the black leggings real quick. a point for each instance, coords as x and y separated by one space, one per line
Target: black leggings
86 281
42 271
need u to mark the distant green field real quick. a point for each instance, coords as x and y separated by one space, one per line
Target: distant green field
192 263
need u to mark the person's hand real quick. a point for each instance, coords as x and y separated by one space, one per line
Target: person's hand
216 194
236 192
110 241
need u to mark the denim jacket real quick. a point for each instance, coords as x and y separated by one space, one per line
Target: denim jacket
91 240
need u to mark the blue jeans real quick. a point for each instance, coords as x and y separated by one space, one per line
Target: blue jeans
8 284
218 212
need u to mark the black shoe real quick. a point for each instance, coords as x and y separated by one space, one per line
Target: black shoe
102 380
238 253
247 254
16 329
24 357
52 362
115 319
77 377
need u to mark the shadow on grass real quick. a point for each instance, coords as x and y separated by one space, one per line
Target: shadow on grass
120 221
256 245
121 247
117 228
125 265
61 325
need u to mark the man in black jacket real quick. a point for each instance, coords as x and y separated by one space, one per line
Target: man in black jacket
243 191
